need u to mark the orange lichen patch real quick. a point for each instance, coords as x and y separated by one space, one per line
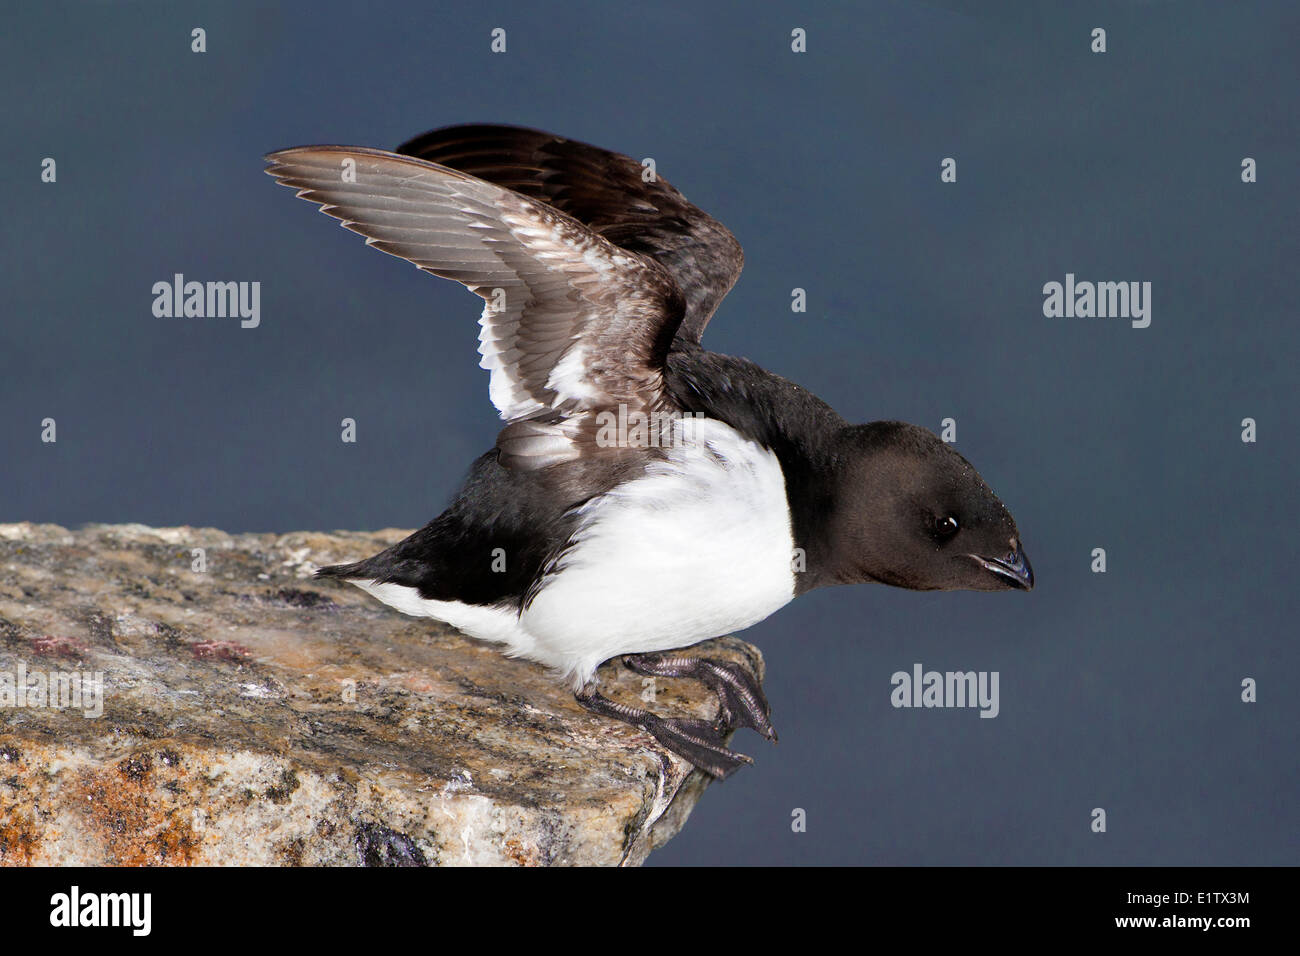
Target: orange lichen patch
20 841
125 814
518 854
176 844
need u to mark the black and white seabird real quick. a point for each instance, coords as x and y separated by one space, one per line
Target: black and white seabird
645 494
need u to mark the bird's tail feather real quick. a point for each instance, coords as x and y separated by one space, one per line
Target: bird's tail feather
341 570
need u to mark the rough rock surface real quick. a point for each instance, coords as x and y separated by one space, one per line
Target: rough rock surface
252 715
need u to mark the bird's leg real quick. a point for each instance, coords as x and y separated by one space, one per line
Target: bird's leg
741 702
697 741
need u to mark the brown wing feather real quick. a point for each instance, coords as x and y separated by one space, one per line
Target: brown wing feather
573 324
607 192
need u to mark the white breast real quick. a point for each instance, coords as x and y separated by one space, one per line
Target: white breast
698 547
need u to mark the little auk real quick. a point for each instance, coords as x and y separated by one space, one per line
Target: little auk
645 493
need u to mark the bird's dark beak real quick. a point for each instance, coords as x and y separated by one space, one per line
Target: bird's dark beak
1012 568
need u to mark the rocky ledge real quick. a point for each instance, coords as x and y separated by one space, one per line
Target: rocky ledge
187 696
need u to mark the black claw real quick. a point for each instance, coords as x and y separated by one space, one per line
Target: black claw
741 696
698 742
741 701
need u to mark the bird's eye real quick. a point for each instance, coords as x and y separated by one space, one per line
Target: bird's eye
945 527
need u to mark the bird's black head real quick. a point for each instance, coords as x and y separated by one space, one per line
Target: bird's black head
913 513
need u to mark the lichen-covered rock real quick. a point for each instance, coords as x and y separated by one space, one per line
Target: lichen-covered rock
252 715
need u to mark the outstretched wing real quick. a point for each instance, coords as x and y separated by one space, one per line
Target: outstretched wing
573 324
608 193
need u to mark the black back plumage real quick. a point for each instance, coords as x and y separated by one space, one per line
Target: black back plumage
487 548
